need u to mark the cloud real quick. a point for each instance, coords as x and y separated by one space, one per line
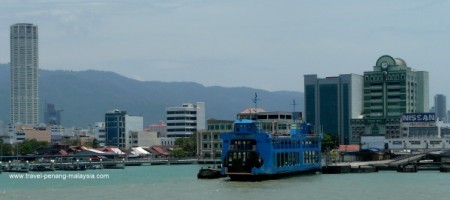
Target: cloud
196 38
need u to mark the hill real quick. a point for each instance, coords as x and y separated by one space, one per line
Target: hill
85 96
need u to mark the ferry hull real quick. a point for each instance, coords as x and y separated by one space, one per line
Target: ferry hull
262 177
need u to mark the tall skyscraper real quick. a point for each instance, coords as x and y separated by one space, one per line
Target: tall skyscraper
331 103
24 74
440 106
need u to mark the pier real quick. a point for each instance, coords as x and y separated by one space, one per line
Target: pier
74 164
412 162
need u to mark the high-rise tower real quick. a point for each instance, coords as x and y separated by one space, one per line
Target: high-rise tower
440 106
391 90
331 103
24 74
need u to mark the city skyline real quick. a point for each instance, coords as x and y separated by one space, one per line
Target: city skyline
189 40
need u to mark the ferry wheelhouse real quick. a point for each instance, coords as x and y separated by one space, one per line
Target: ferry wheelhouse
249 153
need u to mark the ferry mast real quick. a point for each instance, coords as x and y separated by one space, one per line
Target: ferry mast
255 101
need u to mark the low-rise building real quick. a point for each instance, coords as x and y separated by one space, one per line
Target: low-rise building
160 128
209 145
23 132
99 132
144 139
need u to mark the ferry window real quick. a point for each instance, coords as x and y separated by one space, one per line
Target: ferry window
278 160
286 157
245 144
291 159
275 160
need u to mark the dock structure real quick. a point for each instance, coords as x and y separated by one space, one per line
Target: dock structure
412 162
79 165
407 159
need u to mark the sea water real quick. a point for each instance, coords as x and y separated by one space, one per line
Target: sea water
180 182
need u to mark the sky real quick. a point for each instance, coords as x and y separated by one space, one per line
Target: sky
232 43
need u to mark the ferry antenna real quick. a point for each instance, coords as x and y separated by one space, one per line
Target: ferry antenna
255 100
294 104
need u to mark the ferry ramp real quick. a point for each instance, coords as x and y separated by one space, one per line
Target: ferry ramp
407 159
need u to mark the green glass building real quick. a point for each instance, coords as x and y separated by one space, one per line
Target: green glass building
332 102
390 90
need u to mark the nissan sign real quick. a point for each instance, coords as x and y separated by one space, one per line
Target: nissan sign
419 117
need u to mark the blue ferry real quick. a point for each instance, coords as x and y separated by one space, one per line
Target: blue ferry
249 153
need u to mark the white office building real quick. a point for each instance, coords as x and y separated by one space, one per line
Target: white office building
185 120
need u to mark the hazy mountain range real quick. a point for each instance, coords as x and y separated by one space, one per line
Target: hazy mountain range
85 96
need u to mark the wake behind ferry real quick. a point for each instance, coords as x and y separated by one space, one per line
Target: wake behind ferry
249 153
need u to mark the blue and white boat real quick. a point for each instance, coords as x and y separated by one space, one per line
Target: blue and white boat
249 153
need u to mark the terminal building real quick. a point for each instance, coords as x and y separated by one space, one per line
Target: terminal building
421 131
